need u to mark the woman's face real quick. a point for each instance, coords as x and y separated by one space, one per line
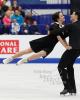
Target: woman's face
61 17
8 13
73 17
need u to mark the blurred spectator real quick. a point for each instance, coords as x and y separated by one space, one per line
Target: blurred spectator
8 3
32 23
33 29
4 7
1 13
15 27
14 5
7 22
24 29
18 17
1 2
21 11
29 19
1 27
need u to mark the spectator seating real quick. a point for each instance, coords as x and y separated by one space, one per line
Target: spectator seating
42 21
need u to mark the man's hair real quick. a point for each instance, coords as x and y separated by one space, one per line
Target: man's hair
55 16
77 12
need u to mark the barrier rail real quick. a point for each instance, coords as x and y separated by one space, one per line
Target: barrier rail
47 6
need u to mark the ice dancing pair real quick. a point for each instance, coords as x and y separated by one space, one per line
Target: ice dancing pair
43 46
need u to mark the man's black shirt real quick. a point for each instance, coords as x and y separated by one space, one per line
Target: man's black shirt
73 31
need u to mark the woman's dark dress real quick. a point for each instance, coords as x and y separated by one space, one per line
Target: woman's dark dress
48 42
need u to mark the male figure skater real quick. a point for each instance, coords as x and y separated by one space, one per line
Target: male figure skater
68 58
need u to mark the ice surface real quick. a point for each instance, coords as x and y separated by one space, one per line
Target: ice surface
34 82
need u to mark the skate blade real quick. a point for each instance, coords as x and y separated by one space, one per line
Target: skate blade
68 94
73 94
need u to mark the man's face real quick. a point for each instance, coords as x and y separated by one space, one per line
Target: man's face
73 17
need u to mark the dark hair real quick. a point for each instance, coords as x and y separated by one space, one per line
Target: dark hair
77 12
55 16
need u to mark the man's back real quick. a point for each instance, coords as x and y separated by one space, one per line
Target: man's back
74 35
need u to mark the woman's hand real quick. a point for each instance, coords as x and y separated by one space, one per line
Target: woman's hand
68 47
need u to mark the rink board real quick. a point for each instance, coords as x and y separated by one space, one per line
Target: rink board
10 44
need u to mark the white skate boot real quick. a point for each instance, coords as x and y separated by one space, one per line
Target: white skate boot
7 60
22 61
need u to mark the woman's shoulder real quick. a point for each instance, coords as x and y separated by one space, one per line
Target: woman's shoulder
52 25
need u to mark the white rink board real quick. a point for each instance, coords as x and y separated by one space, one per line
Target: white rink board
24 44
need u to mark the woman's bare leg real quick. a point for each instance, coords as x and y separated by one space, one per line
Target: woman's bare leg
34 56
37 55
23 52
7 60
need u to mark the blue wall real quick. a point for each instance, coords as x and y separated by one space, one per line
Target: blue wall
31 2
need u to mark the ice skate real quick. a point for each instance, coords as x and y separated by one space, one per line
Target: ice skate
22 61
66 92
7 60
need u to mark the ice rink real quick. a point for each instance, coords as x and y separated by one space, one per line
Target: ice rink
34 82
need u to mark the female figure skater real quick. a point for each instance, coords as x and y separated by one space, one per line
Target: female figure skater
42 46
